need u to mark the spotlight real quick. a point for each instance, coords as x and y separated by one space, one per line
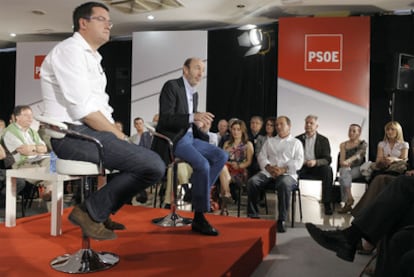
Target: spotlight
253 39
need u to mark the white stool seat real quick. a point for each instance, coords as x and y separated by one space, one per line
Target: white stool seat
76 168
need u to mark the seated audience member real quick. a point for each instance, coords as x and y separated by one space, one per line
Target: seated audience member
26 145
178 117
391 211
240 151
351 156
270 131
223 129
280 159
2 126
141 137
20 183
256 125
317 160
226 136
392 152
119 125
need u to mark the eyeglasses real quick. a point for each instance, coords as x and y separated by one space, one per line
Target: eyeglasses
101 19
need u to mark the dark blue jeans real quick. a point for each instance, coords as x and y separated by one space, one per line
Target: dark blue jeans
139 168
207 162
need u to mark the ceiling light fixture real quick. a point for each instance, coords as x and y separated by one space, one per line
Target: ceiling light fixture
150 17
13 34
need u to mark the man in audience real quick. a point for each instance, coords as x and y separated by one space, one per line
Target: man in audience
256 124
383 220
26 145
317 160
73 86
142 137
223 129
279 160
178 120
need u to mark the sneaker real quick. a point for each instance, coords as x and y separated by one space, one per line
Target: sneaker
90 228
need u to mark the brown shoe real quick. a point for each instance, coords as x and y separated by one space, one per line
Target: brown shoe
90 228
113 225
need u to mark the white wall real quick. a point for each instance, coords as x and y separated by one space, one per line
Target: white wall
27 87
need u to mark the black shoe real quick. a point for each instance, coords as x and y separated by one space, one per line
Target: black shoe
142 197
281 226
254 216
328 209
90 228
334 241
167 206
203 227
113 225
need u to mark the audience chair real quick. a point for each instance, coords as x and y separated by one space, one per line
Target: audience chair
295 195
172 219
86 259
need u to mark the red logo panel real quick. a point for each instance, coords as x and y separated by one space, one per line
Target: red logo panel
37 63
323 52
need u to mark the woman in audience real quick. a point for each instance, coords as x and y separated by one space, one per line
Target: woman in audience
351 156
392 155
240 151
270 131
391 152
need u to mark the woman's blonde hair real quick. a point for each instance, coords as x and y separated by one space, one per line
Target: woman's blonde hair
396 126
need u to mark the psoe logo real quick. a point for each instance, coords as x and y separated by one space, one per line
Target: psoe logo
323 52
37 64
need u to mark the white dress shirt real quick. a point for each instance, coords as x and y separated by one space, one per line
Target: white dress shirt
281 152
73 82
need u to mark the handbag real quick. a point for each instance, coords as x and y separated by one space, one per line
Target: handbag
397 167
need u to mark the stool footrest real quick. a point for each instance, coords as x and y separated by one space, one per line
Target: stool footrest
84 261
172 220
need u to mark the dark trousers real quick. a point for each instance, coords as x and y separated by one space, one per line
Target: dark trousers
392 210
139 168
323 173
282 184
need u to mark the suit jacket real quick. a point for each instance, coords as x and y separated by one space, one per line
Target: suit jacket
322 149
174 116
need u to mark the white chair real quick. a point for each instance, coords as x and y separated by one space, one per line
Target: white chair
86 259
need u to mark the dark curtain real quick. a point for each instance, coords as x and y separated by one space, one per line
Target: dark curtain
239 86
117 63
390 35
7 84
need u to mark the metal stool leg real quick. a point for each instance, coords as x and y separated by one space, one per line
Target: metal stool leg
173 219
86 260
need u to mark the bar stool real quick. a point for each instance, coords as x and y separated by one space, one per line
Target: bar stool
86 259
172 219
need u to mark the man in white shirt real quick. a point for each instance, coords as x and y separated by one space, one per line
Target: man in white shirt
279 159
73 87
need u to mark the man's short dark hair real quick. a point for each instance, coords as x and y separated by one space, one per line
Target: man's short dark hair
18 109
85 11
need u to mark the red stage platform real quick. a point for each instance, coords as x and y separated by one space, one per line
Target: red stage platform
145 249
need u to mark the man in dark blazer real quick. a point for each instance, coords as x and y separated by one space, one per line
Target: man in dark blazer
318 158
179 120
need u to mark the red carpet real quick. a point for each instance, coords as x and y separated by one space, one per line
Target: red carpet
145 249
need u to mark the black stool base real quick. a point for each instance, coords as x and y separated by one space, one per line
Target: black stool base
172 220
84 261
